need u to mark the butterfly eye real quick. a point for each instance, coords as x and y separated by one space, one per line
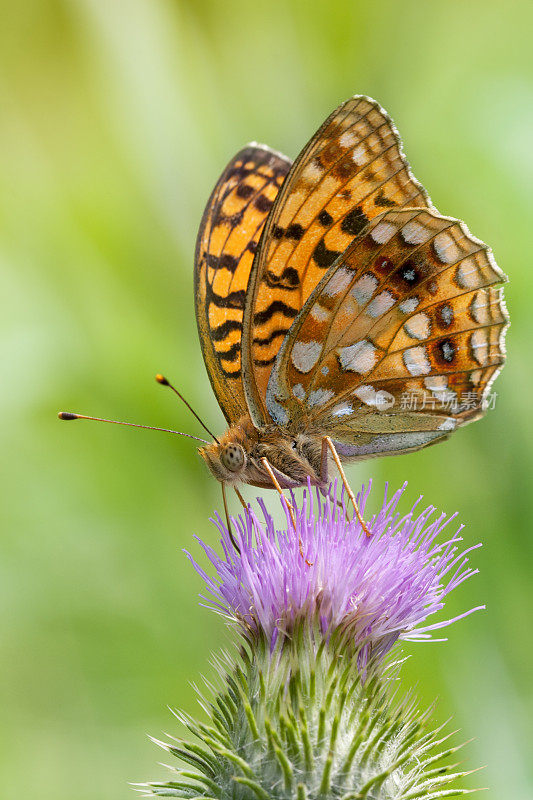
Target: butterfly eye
233 457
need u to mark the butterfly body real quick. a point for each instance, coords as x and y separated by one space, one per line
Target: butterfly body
336 305
294 456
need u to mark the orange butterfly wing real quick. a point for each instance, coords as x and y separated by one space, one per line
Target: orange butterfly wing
400 341
351 170
227 240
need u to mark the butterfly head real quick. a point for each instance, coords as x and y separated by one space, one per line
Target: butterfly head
227 462
228 458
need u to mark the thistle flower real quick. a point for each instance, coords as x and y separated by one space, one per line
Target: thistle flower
371 590
309 708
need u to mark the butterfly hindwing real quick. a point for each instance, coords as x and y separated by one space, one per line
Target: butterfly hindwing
399 342
227 240
351 171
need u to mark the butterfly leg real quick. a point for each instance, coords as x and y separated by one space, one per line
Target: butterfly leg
278 488
290 509
328 444
228 521
241 498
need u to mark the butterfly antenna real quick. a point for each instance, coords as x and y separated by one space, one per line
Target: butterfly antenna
69 415
164 382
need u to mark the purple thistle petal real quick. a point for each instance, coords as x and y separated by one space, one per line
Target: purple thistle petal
374 590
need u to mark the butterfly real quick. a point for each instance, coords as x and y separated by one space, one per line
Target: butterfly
327 292
340 315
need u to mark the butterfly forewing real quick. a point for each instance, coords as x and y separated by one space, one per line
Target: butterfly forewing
350 172
399 342
225 248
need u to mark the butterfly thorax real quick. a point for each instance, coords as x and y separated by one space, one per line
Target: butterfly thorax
236 456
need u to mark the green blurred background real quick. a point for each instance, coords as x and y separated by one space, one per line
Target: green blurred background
116 118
